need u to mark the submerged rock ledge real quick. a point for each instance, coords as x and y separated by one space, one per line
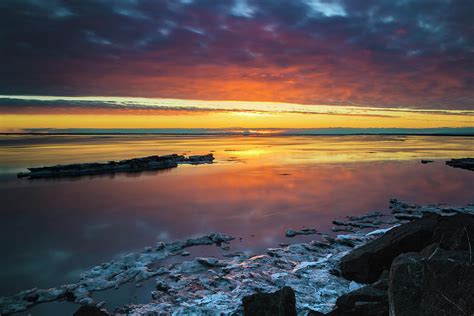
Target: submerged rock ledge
463 163
128 165
218 286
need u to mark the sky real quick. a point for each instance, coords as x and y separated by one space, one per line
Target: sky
236 63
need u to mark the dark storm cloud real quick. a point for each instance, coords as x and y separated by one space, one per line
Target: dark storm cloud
385 53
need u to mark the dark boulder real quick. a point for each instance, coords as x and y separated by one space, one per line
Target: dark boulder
365 264
455 232
433 282
370 300
282 303
88 310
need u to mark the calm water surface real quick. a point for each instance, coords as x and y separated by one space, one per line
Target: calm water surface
52 230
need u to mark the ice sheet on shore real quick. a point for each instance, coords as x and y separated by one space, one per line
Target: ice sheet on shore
211 285
129 165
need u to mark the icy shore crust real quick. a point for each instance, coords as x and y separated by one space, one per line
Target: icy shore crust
213 286
129 165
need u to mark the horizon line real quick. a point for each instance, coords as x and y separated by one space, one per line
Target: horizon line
237 131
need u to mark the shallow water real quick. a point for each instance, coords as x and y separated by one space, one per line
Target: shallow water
52 230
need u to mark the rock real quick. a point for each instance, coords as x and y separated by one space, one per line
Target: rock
210 262
213 238
69 296
408 217
370 220
87 310
128 165
162 286
463 163
328 239
32 297
218 286
347 229
425 161
345 242
366 263
320 244
201 159
433 282
355 224
416 279
370 300
365 294
455 232
282 303
399 208
304 231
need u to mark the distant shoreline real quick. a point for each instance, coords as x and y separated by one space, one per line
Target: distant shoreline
247 131
238 134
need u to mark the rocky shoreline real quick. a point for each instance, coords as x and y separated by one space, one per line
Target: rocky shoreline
128 165
423 267
463 163
331 274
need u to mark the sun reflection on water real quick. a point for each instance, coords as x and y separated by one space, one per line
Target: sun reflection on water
17 152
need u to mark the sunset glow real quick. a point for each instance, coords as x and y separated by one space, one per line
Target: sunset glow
20 113
236 157
236 63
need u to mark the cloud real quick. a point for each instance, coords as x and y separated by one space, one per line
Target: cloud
414 53
156 106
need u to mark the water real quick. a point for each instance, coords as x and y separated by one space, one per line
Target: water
52 230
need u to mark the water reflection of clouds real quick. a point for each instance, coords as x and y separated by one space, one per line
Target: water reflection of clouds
92 220
92 231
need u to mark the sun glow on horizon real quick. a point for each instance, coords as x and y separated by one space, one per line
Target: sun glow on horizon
26 112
